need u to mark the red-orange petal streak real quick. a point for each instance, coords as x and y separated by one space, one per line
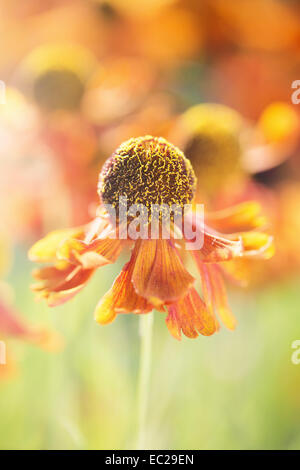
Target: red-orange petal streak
93 255
60 285
207 287
12 325
220 298
191 316
216 249
122 297
240 218
44 250
159 272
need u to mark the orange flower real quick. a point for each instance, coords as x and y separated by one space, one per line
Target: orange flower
116 89
276 32
226 150
276 138
150 171
11 325
285 222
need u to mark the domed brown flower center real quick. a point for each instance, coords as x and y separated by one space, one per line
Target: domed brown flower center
147 170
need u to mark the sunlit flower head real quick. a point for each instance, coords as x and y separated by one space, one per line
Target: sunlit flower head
149 171
55 75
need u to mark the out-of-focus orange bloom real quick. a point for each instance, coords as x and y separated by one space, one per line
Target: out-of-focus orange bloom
226 150
285 221
149 170
277 134
74 145
55 76
135 8
28 174
249 82
12 326
30 8
279 122
161 32
155 117
26 27
19 124
251 25
173 34
117 88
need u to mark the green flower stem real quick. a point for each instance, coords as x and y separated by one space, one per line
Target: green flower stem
146 324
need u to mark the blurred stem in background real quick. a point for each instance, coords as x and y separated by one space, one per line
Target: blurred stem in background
146 327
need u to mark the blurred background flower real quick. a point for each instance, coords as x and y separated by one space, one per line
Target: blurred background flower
215 79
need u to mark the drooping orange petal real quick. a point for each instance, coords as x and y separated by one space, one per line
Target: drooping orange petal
44 250
106 248
93 255
216 249
258 245
96 227
159 274
210 244
105 311
68 250
242 217
58 286
207 288
76 279
172 322
191 316
214 292
237 271
51 276
220 298
122 297
54 299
